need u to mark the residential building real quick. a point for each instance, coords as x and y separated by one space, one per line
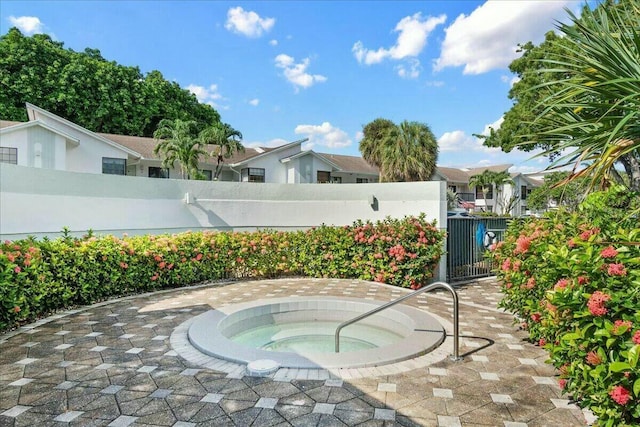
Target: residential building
50 141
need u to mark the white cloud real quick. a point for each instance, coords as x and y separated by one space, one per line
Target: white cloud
324 135
412 38
207 95
273 42
459 141
297 73
488 38
359 135
511 80
410 70
27 24
254 102
247 23
495 126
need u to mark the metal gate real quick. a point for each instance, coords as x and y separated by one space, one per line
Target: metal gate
467 241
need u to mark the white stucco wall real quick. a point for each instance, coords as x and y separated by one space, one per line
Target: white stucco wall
19 139
41 202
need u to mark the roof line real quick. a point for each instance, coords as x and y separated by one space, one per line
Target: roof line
78 128
276 149
24 125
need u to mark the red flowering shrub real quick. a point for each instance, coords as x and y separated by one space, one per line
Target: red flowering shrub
37 278
578 290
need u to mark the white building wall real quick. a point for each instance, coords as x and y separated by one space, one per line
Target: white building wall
17 139
20 139
122 204
275 171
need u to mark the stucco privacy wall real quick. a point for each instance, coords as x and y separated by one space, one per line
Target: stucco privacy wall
41 202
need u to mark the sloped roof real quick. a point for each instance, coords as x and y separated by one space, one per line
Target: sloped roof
7 123
453 174
351 164
493 168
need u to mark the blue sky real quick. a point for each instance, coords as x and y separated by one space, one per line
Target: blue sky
280 71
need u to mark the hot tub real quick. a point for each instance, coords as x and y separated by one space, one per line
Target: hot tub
299 333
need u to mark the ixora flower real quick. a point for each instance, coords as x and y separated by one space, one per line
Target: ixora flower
593 358
596 303
621 326
620 395
561 284
616 270
636 337
609 252
522 245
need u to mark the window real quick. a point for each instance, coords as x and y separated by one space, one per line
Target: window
336 179
362 180
156 172
453 188
113 166
252 175
9 155
479 194
523 192
208 175
323 177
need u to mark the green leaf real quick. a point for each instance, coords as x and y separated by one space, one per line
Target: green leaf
619 367
571 336
634 353
636 387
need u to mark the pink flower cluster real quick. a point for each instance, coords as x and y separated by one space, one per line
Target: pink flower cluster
620 395
593 358
636 337
609 252
616 270
621 326
596 303
522 245
561 284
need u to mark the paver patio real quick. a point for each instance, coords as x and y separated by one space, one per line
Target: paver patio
112 364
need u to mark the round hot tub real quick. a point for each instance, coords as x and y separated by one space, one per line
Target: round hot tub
299 333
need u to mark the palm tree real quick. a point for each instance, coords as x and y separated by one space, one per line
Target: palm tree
178 141
405 152
228 141
499 180
484 181
595 112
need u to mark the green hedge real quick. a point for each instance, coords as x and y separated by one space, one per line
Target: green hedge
573 281
40 277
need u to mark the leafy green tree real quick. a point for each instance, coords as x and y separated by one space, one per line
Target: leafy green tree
552 194
89 90
404 152
578 94
179 142
228 141
595 113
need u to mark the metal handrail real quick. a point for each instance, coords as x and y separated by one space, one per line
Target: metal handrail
436 285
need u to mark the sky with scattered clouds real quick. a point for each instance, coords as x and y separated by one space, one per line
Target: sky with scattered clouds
280 71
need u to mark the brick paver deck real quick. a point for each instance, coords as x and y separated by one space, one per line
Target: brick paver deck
112 364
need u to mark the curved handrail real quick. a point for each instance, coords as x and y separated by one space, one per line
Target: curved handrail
435 285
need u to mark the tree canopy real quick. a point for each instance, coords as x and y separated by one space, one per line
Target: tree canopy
578 97
404 152
85 88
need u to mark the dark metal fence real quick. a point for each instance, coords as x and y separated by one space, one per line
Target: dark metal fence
467 241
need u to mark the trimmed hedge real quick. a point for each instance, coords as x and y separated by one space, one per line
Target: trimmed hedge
573 281
40 277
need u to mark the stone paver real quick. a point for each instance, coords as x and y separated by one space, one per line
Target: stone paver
118 363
